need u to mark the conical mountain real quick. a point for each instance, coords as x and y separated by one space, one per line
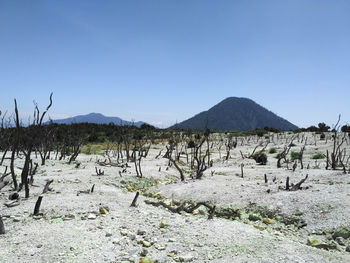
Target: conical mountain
236 114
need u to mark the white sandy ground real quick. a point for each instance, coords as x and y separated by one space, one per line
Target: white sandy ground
115 237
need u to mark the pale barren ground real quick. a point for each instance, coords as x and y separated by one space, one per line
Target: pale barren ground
71 229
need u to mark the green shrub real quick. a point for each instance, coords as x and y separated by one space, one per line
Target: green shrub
294 156
260 158
272 150
318 156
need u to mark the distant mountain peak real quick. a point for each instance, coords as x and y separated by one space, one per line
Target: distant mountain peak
234 113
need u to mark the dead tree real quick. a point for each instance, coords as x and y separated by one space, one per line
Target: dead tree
284 153
298 185
301 155
336 153
28 137
199 159
168 155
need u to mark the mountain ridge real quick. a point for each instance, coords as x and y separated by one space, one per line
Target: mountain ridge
97 118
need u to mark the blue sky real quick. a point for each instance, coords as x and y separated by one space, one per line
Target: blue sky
164 61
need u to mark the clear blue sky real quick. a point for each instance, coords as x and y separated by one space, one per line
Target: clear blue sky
164 61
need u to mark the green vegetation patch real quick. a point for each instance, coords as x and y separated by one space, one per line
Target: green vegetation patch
295 156
95 148
260 158
139 184
318 156
272 150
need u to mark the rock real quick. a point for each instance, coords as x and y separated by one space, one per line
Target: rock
260 227
143 252
132 237
210 256
347 248
342 231
160 247
12 203
254 217
108 234
16 219
268 221
91 216
186 258
104 210
341 241
14 196
146 243
146 260
141 232
319 244
116 242
171 240
69 217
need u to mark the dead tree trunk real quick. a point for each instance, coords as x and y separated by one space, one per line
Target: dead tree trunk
2 227
37 205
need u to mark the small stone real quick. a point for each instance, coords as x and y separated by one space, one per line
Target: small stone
210 256
319 244
104 210
39 246
171 240
186 258
91 216
108 234
160 247
141 232
341 241
268 221
143 252
260 227
146 243
116 242
146 260
69 217
132 237
17 219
